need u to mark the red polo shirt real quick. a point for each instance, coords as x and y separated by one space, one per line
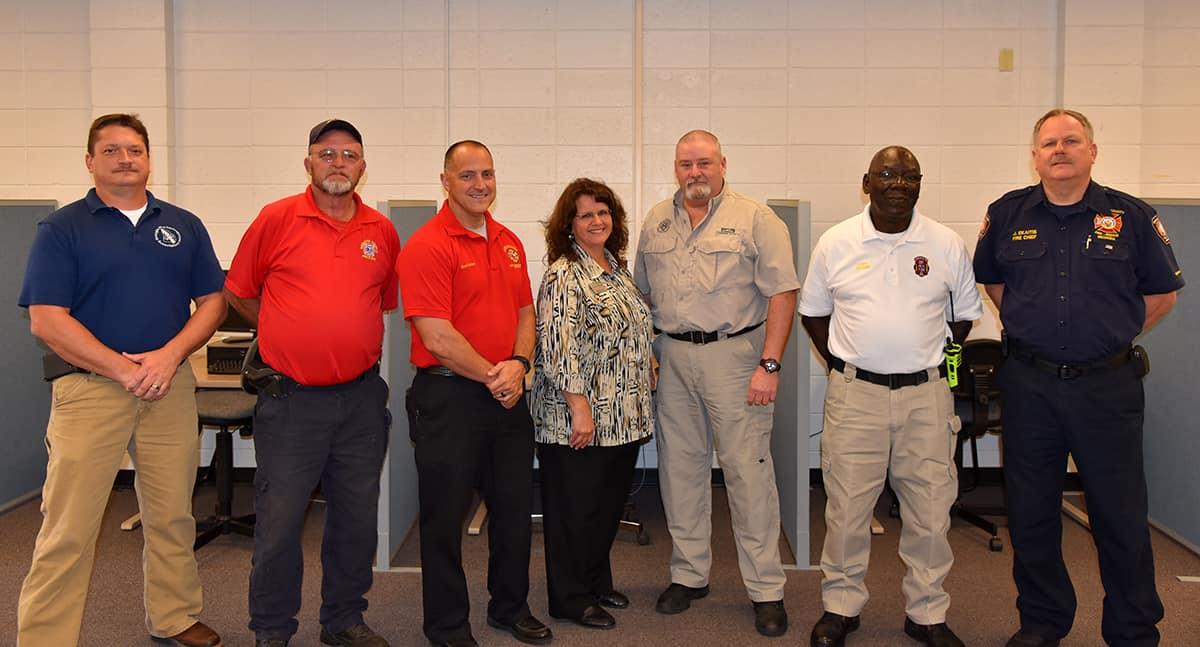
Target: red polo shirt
478 284
324 287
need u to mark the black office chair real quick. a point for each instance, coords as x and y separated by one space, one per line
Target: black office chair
228 410
977 403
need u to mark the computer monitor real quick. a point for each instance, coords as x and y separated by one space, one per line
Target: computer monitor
235 322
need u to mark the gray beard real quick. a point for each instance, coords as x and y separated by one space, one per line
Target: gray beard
698 191
336 186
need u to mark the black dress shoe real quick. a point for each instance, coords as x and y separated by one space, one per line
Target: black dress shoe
936 635
593 617
613 600
770 618
1029 639
271 642
831 630
457 642
677 598
527 630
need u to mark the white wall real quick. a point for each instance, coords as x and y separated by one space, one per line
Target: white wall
801 92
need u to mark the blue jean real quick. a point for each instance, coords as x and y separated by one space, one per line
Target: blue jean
336 436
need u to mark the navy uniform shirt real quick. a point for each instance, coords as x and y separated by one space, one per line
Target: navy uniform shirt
1074 276
130 286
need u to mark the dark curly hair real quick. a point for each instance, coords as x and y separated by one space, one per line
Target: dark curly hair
558 227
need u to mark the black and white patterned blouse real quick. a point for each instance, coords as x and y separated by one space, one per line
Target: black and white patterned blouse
594 333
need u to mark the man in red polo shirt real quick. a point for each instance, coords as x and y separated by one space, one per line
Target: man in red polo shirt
467 295
317 272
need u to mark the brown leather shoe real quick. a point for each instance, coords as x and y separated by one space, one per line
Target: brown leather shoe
197 635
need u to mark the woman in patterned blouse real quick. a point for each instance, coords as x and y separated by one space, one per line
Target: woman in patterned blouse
591 397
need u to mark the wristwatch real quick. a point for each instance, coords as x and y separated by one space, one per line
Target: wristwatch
525 362
769 364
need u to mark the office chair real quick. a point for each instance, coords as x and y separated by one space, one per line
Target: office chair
977 403
227 410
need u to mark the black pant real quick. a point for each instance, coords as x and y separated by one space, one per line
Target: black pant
464 438
583 497
336 436
1098 419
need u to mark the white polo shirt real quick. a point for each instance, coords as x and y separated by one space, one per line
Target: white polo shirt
889 294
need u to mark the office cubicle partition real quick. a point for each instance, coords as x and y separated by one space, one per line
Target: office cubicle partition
398 486
1172 444
789 439
24 397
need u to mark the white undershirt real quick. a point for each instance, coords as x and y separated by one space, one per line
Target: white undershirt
134 214
482 230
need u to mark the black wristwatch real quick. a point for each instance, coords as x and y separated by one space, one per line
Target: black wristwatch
525 362
769 364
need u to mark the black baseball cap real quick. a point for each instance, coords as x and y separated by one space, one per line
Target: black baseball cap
333 124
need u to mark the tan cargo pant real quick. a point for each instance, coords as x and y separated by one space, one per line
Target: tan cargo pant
93 421
869 429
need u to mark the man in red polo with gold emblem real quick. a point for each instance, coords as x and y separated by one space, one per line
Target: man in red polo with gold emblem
467 295
317 271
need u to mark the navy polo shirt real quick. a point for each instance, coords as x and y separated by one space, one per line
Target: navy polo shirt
1074 277
130 286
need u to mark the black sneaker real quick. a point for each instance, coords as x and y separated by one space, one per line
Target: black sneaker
677 598
359 635
770 618
831 630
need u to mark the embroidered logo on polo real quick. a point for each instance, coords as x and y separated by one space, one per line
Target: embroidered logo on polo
369 249
664 225
921 266
1108 227
1160 230
167 236
513 255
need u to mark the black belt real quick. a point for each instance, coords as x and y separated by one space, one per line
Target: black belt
440 371
1063 371
890 380
698 337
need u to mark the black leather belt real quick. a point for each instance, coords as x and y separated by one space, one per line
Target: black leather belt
698 337
1024 354
440 371
890 380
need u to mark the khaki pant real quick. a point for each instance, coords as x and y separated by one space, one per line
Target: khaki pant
869 429
701 402
93 421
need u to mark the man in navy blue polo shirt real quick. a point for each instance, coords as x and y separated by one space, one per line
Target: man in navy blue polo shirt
109 288
1078 270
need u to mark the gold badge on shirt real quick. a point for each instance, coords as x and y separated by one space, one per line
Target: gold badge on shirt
369 249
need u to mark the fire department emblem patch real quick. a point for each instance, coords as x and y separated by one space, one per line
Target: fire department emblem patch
921 266
1160 230
1107 224
369 249
513 255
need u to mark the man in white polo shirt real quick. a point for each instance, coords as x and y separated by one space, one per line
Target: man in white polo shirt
884 292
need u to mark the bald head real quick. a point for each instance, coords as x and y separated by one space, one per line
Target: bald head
892 152
456 146
700 135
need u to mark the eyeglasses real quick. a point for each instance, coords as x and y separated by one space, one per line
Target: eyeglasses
889 176
327 155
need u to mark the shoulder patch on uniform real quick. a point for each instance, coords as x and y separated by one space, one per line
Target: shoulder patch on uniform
664 225
1160 230
987 222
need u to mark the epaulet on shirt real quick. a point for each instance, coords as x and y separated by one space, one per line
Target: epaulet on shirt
1015 194
1121 197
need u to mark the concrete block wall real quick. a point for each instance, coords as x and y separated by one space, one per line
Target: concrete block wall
802 93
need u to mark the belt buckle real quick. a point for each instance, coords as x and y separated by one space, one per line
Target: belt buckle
696 337
1067 372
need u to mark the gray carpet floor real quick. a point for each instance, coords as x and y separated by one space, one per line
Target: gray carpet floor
982 611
